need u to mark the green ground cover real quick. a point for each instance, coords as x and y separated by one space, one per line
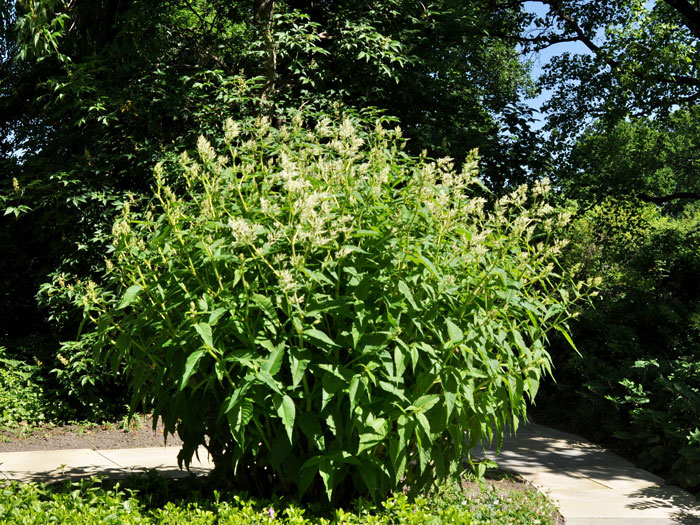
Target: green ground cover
151 498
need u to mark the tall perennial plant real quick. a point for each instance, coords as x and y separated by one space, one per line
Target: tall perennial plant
328 316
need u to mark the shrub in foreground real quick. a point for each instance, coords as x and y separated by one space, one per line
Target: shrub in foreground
328 316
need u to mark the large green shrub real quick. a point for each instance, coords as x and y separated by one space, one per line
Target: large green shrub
326 314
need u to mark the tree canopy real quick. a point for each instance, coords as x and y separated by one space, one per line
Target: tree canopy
642 58
93 94
638 77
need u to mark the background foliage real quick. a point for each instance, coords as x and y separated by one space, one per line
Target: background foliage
623 134
20 395
638 375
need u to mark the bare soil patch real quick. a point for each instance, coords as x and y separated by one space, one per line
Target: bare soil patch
138 433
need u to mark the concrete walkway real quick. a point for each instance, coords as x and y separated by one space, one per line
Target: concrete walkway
53 465
589 485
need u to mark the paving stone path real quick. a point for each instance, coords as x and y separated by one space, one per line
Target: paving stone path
589 484
54 465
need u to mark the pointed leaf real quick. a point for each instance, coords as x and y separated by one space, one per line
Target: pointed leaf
204 331
298 361
274 361
265 377
318 335
190 365
129 296
287 412
406 292
425 403
215 315
325 470
455 332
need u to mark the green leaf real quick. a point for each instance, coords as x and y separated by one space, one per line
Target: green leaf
533 383
552 311
425 403
129 296
406 292
566 335
365 233
298 362
318 277
190 364
352 391
204 331
265 304
326 471
215 315
398 455
468 388
515 390
274 361
419 258
450 387
220 369
415 356
454 331
265 377
318 335
388 387
287 412
373 433
399 360
230 402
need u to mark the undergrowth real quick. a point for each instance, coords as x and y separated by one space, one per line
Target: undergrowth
20 396
152 498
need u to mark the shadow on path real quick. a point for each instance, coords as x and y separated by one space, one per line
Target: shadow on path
589 483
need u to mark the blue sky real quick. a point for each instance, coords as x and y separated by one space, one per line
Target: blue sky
542 58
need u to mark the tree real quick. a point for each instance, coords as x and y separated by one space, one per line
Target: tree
641 65
642 59
654 160
94 94
623 127
436 67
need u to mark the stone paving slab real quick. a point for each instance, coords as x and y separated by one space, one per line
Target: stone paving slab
621 521
162 459
53 465
591 485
